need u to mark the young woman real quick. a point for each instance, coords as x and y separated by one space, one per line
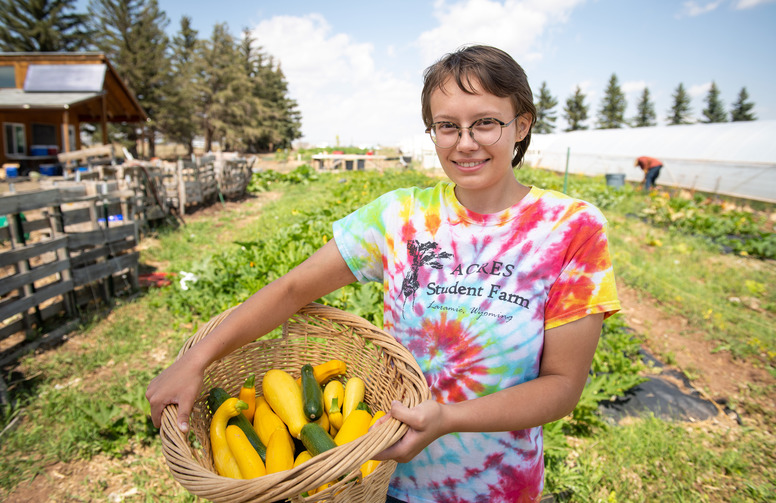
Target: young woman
498 289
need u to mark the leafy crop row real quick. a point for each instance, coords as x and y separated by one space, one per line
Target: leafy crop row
733 229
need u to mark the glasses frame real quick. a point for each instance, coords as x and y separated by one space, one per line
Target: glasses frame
471 130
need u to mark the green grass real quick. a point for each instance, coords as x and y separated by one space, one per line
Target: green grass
86 398
653 460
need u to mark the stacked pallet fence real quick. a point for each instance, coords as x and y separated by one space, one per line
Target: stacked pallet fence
97 162
190 183
60 250
234 176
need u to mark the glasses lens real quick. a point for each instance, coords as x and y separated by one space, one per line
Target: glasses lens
486 131
444 134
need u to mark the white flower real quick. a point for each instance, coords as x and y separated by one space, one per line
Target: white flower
187 277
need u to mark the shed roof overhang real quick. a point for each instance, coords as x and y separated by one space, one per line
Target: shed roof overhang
86 106
112 102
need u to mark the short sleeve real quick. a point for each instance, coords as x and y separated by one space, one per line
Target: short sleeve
586 284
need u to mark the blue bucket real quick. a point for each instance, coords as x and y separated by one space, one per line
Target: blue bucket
11 171
615 180
50 169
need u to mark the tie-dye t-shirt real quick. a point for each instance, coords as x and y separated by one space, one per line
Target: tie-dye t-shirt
471 295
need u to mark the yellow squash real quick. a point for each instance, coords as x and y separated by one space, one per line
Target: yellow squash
354 426
265 421
226 464
378 415
325 371
280 454
249 461
302 457
324 422
354 394
248 395
333 396
284 395
371 465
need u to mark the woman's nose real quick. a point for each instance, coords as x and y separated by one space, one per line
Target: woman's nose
466 140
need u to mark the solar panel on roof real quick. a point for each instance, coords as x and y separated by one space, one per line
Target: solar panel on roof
65 78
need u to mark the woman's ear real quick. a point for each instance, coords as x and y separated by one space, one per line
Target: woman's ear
523 126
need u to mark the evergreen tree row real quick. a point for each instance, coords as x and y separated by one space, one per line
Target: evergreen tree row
225 89
611 114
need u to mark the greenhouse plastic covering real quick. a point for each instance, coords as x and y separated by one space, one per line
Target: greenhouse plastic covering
735 158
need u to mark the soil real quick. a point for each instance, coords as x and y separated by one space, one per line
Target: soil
715 374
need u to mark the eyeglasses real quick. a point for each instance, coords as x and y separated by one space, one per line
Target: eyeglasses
485 131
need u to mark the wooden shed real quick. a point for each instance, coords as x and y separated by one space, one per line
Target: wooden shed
45 97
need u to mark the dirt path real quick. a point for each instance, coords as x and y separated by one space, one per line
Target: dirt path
717 375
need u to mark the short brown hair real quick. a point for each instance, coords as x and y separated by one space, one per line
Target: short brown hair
493 69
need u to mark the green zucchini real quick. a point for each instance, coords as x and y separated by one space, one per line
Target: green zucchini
218 396
312 396
316 439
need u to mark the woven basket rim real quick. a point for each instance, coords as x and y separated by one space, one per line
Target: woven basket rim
341 461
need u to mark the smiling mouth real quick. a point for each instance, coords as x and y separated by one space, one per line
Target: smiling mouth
471 164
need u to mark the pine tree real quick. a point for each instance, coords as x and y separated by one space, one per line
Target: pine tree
742 108
645 111
545 115
279 120
177 113
715 110
227 101
576 111
42 26
680 110
131 34
611 115
251 58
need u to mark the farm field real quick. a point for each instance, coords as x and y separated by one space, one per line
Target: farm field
696 278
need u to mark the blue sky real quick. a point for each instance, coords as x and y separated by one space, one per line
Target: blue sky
355 68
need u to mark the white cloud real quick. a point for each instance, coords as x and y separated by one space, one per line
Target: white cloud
699 90
514 26
693 8
633 86
748 4
340 92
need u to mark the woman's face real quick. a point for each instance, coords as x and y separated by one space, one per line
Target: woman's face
475 168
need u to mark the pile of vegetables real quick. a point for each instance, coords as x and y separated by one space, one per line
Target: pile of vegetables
292 421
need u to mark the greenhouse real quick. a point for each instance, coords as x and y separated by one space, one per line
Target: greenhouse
735 159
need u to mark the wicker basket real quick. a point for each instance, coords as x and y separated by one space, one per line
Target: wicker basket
313 335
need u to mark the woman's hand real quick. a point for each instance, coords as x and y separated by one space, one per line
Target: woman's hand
179 384
426 423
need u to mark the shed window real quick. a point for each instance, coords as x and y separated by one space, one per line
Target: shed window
44 134
15 142
7 76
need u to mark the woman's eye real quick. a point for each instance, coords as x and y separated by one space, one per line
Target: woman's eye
487 122
446 126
